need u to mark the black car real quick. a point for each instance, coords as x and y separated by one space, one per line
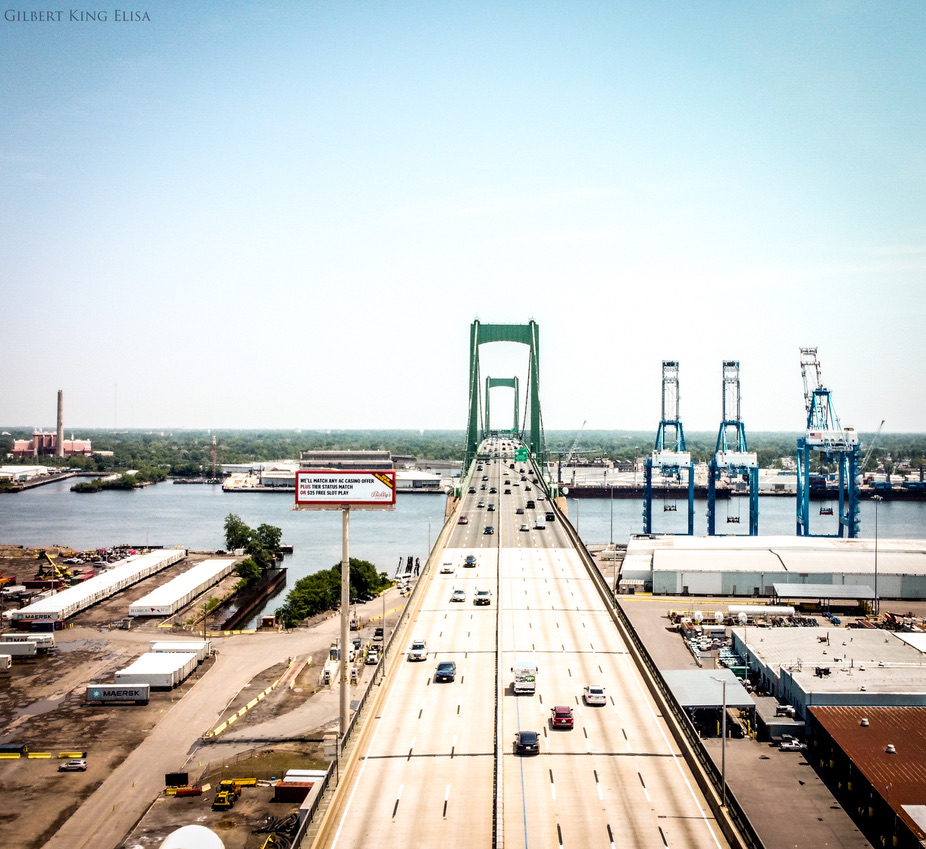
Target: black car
527 743
446 671
489 530
378 634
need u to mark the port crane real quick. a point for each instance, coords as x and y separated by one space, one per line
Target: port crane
732 456
835 445
670 456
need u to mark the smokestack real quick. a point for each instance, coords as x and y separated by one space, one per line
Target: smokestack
59 442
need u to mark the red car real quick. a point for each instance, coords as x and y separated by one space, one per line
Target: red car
561 717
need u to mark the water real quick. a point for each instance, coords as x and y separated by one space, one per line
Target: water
193 517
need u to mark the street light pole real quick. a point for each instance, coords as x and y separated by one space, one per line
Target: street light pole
723 744
877 500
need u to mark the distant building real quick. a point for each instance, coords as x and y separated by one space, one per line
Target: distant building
44 444
374 461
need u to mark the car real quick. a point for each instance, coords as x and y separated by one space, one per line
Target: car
561 717
519 511
481 504
792 746
446 569
458 595
463 520
446 671
483 486
530 504
482 596
527 743
418 650
493 490
491 508
470 561
378 633
488 530
594 695
527 487
525 526
472 490
372 656
507 491
485 477
75 765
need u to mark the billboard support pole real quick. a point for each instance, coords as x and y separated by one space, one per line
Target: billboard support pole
345 612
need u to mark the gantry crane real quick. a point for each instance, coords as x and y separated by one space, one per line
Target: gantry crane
670 457
732 456
826 436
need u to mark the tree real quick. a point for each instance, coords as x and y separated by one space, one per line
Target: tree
237 533
249 571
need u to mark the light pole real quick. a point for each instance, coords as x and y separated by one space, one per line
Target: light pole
723 743
429 536
877 500
611 540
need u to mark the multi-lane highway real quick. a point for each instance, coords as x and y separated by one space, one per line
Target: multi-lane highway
437 764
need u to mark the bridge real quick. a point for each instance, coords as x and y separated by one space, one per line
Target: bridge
435 763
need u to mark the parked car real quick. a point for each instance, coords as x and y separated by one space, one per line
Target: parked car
594 695
792 746
76 765
561 716
527 743
446 671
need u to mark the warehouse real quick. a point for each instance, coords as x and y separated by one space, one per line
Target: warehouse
833 666
81 596
751 566
172 596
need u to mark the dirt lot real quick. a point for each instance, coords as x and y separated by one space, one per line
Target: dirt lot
42 706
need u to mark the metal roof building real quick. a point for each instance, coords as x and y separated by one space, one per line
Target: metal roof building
742 565
875 760
808 667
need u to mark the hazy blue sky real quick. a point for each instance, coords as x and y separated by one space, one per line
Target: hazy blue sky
287 214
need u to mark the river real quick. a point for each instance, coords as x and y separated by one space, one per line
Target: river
193 516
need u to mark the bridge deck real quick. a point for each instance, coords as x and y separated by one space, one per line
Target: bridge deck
427 763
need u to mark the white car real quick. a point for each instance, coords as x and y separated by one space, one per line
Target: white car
418 650
458 595
594 695
446 569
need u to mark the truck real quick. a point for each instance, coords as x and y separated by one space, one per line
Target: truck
525 676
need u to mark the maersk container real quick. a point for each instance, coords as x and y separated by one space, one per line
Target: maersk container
104 694
42 641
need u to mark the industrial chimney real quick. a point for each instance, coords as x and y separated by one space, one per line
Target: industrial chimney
59 441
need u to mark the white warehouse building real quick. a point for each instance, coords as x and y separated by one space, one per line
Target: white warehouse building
750 566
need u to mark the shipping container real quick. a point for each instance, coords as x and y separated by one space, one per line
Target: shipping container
20 649
44 642
176 594
104 694
203 648
162 670
292 791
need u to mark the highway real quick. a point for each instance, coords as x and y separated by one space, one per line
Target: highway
436 764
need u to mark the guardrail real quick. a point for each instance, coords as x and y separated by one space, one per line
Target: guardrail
357 720
732 819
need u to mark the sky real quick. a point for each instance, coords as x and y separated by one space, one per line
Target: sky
288 214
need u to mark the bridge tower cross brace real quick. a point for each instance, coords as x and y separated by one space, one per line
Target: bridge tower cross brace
512 382
525 334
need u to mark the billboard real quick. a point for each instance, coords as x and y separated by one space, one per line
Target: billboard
324 489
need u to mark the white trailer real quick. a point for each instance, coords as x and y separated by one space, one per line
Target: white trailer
202 648
5 663
44 642
164 670
28 649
